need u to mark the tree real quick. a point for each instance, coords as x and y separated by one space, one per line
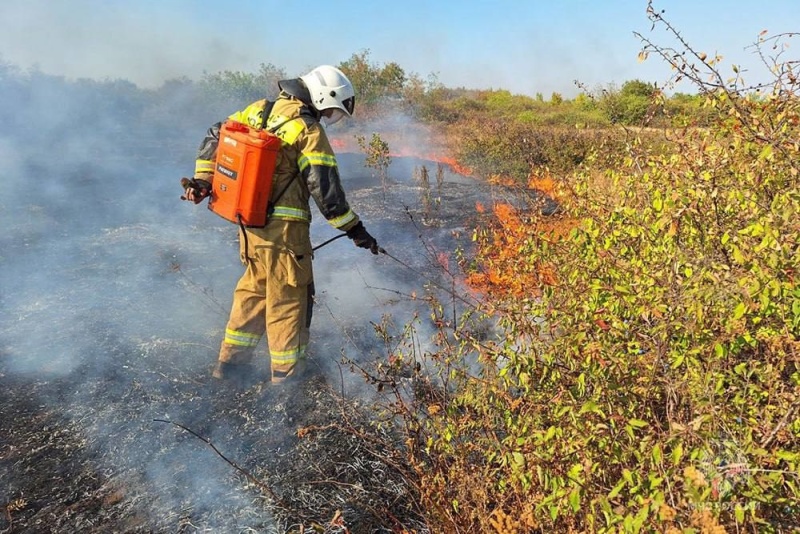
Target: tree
372 82
630 104
638 88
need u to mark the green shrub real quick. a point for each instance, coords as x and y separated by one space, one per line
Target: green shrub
650 380
496 147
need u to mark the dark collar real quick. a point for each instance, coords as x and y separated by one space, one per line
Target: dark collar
295 88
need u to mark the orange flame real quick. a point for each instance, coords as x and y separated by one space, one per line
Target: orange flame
506 269
399 150
546 184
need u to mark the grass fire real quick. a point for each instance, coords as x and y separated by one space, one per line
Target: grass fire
583 314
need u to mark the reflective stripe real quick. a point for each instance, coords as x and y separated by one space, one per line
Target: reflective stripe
203 165
342 220
241 339
251 115
295 214
287 357
316 158
290 131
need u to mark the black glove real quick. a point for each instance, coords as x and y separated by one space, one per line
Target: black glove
200 189
361 238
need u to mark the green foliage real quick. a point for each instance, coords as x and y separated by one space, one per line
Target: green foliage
650 381
242 87
503 103
445 106
372 82
514 149
638 88
566 116
584 102
627 106
377 156
688 110
499 100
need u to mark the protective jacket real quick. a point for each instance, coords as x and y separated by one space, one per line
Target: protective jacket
275 293
306 167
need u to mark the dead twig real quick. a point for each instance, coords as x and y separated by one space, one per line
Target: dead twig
789 416
215 305
13 506
278 501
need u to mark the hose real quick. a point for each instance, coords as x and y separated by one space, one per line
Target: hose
328 241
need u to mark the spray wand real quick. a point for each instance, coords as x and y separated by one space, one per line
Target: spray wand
419 273
430 280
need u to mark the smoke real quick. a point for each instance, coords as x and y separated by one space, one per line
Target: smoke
141 42
115 294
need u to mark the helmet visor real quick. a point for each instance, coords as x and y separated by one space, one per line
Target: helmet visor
350 105
332 116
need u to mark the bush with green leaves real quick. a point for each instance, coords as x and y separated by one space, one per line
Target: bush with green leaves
513 148
650 382
634 104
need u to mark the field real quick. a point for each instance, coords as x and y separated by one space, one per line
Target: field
587 318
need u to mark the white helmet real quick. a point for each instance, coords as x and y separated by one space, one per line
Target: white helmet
330 88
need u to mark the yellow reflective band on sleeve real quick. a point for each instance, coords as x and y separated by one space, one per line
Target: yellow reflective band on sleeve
342 220
203 165
294 214
241 339
287 357
316 158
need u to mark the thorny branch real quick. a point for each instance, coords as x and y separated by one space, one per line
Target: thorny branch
710 82
788 416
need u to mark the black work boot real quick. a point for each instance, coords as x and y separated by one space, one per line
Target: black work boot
296 374
238 375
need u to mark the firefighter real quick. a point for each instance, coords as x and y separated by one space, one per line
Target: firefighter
275 294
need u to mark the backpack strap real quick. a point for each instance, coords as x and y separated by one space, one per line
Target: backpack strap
266 112
264 118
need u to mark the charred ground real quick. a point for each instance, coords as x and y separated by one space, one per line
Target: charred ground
303 447
112 317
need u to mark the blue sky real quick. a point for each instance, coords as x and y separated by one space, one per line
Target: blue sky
525 46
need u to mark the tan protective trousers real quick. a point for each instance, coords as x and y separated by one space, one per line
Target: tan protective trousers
273 296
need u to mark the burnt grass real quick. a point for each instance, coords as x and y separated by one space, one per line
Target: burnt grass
117 465
109 419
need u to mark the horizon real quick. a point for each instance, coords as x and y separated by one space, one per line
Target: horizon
524 48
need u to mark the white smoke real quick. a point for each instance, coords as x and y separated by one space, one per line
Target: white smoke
137 41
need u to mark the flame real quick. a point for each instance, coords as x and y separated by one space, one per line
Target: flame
457 168
506 269
400 150
540 180
544 183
